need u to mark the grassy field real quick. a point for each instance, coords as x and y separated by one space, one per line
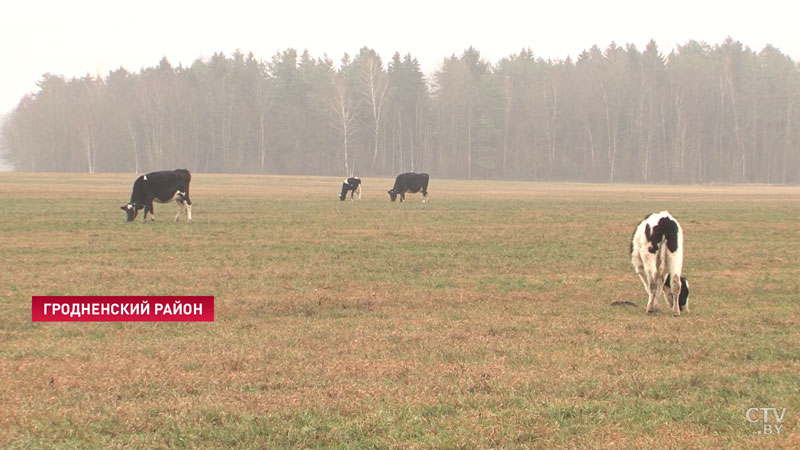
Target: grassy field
480 319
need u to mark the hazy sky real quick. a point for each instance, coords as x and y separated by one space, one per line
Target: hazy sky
73 38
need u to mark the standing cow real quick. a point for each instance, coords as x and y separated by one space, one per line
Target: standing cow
410 182
657 257
161 187
352 185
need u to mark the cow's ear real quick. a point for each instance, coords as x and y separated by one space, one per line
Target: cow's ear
124 207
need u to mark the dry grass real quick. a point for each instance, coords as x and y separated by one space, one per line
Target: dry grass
480 319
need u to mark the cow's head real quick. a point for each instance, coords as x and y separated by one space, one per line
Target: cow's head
392 194
131 209
683 298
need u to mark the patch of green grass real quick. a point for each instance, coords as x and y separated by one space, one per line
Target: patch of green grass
480 319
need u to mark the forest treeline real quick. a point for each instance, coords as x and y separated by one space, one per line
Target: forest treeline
703 113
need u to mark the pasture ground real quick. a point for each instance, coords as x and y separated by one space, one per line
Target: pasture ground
480 319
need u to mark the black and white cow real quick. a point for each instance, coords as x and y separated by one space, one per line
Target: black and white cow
352 185
410 182
657 257
161 187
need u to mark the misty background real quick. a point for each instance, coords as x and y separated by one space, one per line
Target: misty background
702 113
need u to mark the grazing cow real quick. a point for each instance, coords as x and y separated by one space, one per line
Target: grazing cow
353 185
161 187
410 182
657 257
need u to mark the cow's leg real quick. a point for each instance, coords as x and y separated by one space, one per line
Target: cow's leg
424 196
662 293
359 191
402 196
187 203
149 207
674 292
652 292
640 271
666 296
648 286
183 201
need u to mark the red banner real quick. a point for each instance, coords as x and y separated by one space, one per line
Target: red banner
122 308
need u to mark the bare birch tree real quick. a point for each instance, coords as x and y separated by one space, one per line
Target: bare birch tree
343 111
372 84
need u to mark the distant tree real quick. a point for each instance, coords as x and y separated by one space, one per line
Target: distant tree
371 84
721 113
341 103
460 88
651 121
409 103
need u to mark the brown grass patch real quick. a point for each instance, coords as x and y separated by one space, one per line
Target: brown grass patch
480 319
